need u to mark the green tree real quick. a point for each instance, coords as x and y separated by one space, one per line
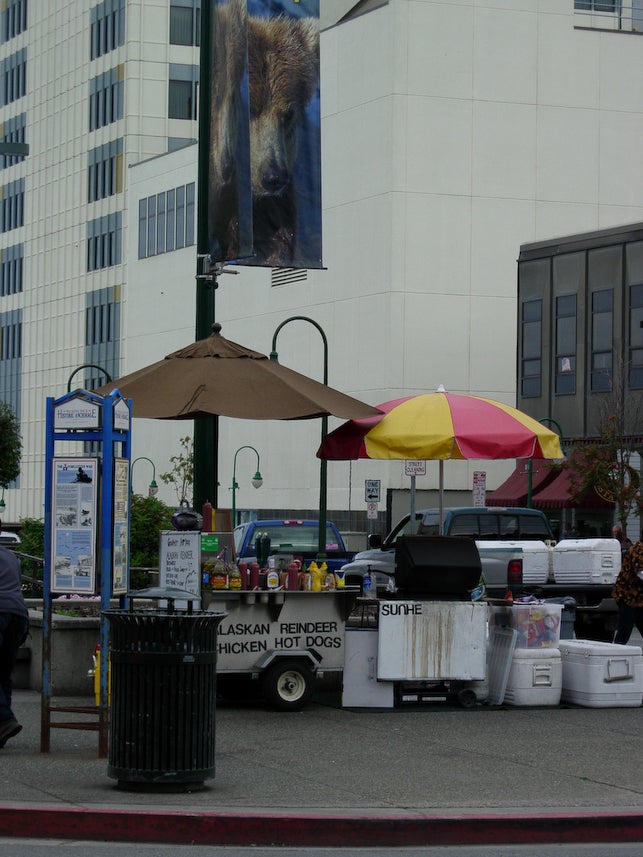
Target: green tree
10 446
181 476
148 516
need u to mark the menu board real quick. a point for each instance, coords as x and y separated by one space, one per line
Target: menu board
180 561
74 525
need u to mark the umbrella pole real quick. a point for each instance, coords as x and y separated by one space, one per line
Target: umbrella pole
441 496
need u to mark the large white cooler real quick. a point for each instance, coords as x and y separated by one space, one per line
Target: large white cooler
587 560
537 559
535 677
601 675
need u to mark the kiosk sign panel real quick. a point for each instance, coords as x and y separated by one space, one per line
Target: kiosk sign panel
74 525
77 414
120 561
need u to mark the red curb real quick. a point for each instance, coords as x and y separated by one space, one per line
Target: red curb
306 830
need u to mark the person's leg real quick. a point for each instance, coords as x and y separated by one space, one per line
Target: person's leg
6 666
626 619
639 620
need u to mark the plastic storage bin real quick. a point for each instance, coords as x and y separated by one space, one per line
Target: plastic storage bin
601 675
587 561
535 677
538 625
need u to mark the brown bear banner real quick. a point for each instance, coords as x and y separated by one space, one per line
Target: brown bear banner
264 193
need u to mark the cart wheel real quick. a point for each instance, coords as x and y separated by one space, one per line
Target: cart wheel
467 698
288 685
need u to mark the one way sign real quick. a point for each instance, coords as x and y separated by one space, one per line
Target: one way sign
372 490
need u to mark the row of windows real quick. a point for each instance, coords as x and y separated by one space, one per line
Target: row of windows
13 77
13 131
11 359
107 27
105 170
612 6
601 343
11 267
12 206
106 98
104 242
166 221
14 19
10 337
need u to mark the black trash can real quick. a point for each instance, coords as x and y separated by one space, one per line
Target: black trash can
163 695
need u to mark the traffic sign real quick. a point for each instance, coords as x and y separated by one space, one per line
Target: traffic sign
415 468
372 488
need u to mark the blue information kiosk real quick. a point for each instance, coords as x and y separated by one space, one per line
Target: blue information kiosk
87 497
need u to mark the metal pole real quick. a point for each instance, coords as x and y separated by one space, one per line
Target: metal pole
206 429
323 466
88 366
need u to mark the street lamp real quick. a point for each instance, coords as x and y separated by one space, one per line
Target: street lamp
257 481
88 366
323 466
153 489
530 463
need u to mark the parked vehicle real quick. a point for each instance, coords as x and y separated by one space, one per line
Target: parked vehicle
517 552
291 538
9 539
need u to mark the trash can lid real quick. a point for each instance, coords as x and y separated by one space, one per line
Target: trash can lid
170 592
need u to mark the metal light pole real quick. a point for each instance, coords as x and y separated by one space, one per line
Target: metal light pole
530 463
153 490
323 466
257 481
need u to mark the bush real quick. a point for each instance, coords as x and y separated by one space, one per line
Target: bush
148 516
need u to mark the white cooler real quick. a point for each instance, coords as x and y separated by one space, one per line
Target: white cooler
535 677
537 559
587 560
601 675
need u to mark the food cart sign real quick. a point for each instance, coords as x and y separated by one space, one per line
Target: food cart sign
180 562
415 468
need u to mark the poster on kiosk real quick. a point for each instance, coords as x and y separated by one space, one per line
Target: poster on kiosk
73 537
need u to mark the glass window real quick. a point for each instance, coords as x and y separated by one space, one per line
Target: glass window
602 340
14 18
107 27
185 22
636 337
531 358
565 384
166 221
182 91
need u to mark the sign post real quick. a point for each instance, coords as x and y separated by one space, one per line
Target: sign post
86 525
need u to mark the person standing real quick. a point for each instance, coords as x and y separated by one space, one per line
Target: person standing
14 626
628 594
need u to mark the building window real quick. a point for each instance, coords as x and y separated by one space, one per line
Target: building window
105 171
611 6
14 18
13 205
13 131
107 27
565 383
636 336
182 91
11 265
102 340
602 340
166 221
14 77
104 242
185 22
11 358
106 98
531 363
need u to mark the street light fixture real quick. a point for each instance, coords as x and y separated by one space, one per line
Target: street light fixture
323 466
530 463
257 481
153 489
108 377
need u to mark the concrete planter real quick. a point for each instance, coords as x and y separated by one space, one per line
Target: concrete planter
72 645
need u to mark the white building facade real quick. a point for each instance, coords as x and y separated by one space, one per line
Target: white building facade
453 132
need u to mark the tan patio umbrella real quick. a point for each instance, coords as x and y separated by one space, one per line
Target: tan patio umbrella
215 376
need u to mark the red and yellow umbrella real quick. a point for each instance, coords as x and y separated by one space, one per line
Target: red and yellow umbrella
440 426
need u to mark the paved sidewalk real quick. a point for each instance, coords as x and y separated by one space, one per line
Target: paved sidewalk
329 776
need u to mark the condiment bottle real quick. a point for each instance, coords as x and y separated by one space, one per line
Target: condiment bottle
219 575
234 578
243 571
254 575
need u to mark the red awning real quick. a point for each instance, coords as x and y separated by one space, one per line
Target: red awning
513 491
557 495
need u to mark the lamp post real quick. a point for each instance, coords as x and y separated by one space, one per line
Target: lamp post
323 466
257 481
530 465
153 489
88 366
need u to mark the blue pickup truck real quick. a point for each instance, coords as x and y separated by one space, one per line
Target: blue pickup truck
291 538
